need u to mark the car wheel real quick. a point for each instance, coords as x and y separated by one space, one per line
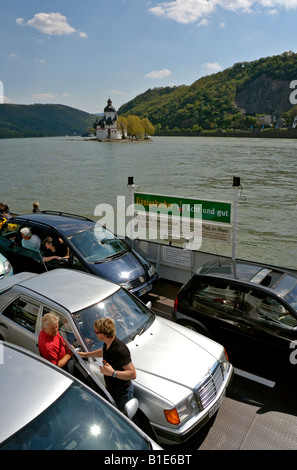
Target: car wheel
143 423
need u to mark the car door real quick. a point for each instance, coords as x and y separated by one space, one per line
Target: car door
265 323
216 303
19 323
8 234
21 258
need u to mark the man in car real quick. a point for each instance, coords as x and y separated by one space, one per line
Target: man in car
51 344
30 241
118 368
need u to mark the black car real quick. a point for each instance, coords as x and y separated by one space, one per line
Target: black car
242 304
90 247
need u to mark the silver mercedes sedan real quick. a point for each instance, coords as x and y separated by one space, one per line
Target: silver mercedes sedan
45 408
182 376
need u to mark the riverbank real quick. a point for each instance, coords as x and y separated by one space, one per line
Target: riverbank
253 133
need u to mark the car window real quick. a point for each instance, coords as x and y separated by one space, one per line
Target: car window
78 420
24 312
130 315
9 230
217 295
65 328
75 263
97 244
260 306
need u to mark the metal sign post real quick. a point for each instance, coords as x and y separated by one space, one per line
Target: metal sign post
236 185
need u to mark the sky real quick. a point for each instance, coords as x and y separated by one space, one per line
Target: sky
80 54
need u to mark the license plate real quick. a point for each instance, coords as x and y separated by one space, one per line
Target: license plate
217 405
145 289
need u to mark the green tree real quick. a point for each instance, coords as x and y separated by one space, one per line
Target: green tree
147 127
122 125
134 127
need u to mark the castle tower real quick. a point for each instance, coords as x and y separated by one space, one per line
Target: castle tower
106 127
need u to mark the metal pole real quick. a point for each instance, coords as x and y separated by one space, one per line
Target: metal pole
131 187
236 184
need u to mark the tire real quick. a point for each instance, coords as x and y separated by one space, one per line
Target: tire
143 423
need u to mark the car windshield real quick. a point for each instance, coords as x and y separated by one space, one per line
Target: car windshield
78 420
130 315
98 244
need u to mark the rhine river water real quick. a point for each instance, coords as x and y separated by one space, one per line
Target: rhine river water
75 175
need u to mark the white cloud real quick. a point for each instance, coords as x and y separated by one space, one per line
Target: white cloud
158 73
40 61
213 66
117 92
50 23
43 96
189 11
203 22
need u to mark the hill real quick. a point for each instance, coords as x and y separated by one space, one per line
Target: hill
40 120
228 99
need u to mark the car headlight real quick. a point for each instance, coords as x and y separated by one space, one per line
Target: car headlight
183 411
224 362
7 267
151 271
127 285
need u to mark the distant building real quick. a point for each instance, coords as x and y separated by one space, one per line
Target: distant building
280 123
266 120
106 126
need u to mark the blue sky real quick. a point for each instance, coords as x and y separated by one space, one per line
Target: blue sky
81 53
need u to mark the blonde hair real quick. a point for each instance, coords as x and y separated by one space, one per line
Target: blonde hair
106 326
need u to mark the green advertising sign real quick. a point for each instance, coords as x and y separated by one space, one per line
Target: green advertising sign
214 211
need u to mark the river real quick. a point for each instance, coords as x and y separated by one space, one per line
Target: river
75 175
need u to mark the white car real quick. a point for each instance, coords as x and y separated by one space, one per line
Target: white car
5 267
182 376
42 407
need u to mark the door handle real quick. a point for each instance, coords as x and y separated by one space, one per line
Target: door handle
3 325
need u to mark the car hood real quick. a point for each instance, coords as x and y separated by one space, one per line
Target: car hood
120 269
172 360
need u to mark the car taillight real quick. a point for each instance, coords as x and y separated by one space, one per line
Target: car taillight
175 304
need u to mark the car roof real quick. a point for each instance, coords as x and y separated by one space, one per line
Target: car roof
74 290
65 223
271 277
28 387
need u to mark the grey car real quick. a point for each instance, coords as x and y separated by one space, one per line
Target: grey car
45 408
181 376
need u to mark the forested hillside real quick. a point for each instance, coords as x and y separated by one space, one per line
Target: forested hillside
39 120
232 98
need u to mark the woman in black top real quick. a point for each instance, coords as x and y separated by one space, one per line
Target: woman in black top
118 368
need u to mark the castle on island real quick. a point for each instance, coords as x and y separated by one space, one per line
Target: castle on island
106 126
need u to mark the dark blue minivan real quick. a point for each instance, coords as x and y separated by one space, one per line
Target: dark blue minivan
90 247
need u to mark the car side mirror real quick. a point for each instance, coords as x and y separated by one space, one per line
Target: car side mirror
149 305
131 408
